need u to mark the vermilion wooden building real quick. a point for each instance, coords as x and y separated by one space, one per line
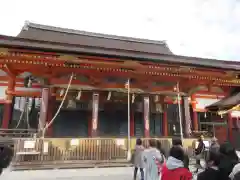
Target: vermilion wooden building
96 104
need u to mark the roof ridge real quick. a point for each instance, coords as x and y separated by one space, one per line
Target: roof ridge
87 33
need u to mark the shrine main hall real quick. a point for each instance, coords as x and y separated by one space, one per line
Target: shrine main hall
83 84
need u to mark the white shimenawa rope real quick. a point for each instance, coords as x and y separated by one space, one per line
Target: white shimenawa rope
59 108
20 119
21 116
27 114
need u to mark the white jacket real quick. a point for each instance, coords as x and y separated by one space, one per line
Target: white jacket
235 170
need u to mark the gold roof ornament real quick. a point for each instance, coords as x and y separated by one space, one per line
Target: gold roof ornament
3 51
235 108
67 57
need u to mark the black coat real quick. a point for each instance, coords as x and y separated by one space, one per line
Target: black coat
200 148
6 155
225 167
209 173
186 161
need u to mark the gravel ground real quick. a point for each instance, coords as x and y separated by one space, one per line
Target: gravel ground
124 173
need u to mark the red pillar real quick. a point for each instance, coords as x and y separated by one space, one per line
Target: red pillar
146 116
8 104
165 123
132 123
195 115
230 127
51 110
95 105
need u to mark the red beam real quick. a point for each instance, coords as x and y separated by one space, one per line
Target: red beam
97 58
49 69
198 70
96 73
107 85
24 93
104 64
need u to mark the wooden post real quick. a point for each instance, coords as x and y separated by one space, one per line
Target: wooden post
132 122
195 115
8 106
95 107
187 117
146 116
51 110
44 110
230 127
165 123
89 124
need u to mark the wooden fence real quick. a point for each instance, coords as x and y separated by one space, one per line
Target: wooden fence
45 151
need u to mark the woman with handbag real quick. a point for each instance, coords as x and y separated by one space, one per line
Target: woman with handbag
199 153
138 159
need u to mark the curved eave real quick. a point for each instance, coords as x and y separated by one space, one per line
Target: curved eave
234 108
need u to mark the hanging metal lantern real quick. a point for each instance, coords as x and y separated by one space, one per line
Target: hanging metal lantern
79 95
71 104
159 108
109 95
133 98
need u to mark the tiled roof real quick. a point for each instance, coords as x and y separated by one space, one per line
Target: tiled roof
53 39
76 37
225 103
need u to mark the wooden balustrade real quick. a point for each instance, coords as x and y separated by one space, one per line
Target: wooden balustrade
17 133
82 150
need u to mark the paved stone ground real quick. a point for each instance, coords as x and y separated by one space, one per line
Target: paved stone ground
124 173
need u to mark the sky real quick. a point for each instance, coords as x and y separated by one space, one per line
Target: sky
201 28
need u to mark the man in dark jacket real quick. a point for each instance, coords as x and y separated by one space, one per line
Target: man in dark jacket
199 153
214 147
228 160
178 142
212 170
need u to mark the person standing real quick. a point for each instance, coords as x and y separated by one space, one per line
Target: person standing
199 153
6 155
228 160
235 174
178 142
175 169
160 164
159 147
138 161
212 170
150 156
214 147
